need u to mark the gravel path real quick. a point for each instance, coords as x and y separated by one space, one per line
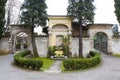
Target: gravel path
108 70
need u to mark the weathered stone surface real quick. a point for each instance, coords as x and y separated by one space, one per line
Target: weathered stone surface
42 45
4 44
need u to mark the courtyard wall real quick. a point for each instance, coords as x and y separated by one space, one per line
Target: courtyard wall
115 45
42 44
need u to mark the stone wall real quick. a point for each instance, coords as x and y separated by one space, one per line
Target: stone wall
42 45
87 45
115 45
88 42
4 44
74 46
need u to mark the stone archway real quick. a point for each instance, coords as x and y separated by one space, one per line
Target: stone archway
101 42
21 41
18 31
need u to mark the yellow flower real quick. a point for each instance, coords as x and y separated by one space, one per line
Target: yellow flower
58 53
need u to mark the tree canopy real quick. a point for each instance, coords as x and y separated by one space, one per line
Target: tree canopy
115 28
83 12
81 9
2 16
117 9
34 14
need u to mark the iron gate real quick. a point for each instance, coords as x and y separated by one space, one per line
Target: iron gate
100 42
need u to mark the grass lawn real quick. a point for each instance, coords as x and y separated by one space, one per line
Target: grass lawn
46 63
62 67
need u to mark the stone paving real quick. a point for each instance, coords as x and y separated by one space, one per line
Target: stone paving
55 68
108 70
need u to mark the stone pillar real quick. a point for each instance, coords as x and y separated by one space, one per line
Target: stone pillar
92 44
70 36
50 35
109 44
22 43
10 45
14 44
70 41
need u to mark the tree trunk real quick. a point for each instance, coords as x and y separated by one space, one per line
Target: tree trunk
35 53
8 21
80 39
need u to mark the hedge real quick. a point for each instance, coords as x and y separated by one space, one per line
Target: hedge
82 63
21 60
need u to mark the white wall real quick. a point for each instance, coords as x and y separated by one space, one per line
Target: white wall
4 44
74 46
42 45
115 46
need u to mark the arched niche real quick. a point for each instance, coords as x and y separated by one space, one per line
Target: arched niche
59 40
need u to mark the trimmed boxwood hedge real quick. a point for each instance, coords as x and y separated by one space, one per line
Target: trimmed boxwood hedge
82 63
21 60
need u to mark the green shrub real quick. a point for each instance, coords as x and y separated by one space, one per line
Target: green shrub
82 63
69 64
21 60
